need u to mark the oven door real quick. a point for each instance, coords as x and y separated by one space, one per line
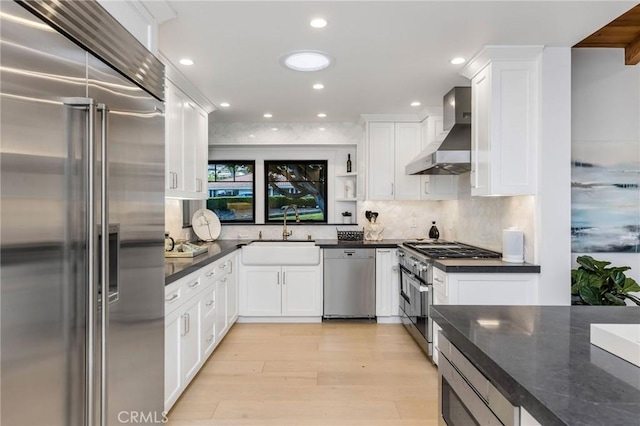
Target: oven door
404 299
418 312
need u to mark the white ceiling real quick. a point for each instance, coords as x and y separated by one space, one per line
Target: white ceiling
388 53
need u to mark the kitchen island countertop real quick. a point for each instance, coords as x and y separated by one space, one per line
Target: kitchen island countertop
541 358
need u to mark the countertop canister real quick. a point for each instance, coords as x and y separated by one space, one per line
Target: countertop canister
512 245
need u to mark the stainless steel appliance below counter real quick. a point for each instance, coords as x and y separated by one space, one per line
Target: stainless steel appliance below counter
465 396
349 283
415 260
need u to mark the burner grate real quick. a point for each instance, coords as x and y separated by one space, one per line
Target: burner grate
450 250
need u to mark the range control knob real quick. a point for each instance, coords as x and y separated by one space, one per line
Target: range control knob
400 254
422 267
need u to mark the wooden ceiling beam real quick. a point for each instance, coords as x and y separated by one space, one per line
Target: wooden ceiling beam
632 52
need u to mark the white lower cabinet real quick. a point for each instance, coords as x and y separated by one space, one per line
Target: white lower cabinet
277 291
221 308
481 289
199 310
484 288
387 290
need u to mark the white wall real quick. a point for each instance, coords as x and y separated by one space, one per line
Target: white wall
553 198
606 111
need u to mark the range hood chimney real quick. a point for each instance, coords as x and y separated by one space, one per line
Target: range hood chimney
452 155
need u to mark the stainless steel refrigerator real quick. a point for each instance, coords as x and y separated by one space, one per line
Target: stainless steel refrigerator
81 216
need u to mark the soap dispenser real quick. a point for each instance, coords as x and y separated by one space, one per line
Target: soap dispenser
434 234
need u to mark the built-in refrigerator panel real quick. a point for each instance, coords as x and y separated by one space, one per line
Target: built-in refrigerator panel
42 223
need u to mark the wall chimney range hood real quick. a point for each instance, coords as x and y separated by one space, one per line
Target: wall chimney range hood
452 155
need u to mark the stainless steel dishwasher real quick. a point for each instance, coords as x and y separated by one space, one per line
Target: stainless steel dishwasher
349 283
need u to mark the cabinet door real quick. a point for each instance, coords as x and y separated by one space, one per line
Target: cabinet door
407 146
381 162
202 154
431 129
439 187
480 132
232 296
386 283
191 138
301 291
190 351
173 329
221 307
175 100
262 291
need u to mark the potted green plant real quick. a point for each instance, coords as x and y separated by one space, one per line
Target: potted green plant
595 284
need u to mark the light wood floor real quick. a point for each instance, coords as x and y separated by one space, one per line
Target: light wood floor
332 374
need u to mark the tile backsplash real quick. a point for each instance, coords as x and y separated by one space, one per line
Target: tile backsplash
473 220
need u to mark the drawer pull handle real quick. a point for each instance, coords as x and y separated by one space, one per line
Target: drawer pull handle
210 274
172 298
194 284
209 303
210 338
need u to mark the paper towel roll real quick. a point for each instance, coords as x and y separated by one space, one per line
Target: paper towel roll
512 245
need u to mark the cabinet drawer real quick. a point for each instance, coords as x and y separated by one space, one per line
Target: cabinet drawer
193 286
209 302
173 296
208 336
209 274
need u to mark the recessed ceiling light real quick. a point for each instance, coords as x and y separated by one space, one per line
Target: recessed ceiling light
252 136
318 86
318 23
322 129
186 61
267 115
322 115
458 61
275 129
415 103
306 60
225 104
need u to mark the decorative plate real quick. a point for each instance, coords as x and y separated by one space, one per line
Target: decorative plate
206 225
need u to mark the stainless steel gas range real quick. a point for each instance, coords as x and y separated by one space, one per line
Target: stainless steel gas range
416 282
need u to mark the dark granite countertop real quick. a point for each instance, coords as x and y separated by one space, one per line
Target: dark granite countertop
176 268
484 266
541 358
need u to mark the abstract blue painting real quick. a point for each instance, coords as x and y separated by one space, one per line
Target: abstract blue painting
605 197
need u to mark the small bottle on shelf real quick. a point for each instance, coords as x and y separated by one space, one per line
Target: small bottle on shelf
348 163
434 234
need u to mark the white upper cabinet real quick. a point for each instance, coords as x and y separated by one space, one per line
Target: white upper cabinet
186 134
390 147
504 119
436 187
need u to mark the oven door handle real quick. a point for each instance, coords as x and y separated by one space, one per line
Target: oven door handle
416 284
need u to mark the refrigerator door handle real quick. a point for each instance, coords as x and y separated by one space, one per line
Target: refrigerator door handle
104 264
89 105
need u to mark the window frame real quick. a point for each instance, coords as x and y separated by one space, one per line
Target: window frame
324 163
253 186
